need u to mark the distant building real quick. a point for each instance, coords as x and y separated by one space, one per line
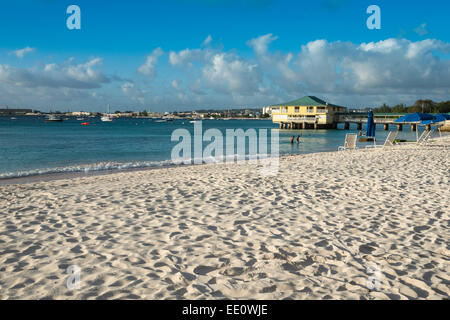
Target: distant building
306 112
14 112
80 113
267 110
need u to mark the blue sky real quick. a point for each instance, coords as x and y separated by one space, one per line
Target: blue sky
187 54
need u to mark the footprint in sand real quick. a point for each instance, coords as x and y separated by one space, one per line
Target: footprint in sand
269 289
76 249
203 270
232 272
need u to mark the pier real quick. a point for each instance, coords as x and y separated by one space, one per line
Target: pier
311 112
347 119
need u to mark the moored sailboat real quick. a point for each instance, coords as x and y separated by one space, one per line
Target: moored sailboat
107 117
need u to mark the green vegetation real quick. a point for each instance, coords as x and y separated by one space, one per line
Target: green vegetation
425 106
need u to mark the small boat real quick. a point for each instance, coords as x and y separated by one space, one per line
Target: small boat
167 118
53 118
159 121
80 119
106 117
13 118
193 121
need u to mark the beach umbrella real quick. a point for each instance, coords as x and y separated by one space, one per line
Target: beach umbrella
438 121
438 118
441 117
415 117
370 125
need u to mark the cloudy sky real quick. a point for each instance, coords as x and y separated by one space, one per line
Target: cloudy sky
191 54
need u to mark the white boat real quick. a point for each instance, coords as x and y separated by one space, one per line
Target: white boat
107 117
53 118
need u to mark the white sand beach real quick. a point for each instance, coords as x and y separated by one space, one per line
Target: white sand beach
320 229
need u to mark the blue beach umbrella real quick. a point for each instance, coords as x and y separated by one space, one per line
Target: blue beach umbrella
415 117
438 118
441 117
370 125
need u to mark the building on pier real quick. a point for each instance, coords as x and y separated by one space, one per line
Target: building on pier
308 112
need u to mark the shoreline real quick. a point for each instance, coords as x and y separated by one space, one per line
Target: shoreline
319 229
79 174
71 175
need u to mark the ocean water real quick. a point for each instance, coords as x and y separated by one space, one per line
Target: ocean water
29 146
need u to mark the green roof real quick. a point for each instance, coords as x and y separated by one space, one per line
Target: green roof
306 101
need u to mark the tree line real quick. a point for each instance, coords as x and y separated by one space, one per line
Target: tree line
424 106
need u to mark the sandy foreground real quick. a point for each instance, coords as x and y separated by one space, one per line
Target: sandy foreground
370 224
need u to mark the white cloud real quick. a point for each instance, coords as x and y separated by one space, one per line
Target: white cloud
50 67
86 72
384 46
421 30
127 87
134 93
188 56
353 74
228 73
148 68
78 76
394 66
207 41
425 47
261 43
22 52
176 84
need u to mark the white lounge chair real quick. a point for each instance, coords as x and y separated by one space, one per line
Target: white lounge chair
350 142
423 139
426 137
389 140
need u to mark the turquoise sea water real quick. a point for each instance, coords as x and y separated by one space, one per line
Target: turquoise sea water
29 146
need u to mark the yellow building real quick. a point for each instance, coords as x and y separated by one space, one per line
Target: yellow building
305 113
